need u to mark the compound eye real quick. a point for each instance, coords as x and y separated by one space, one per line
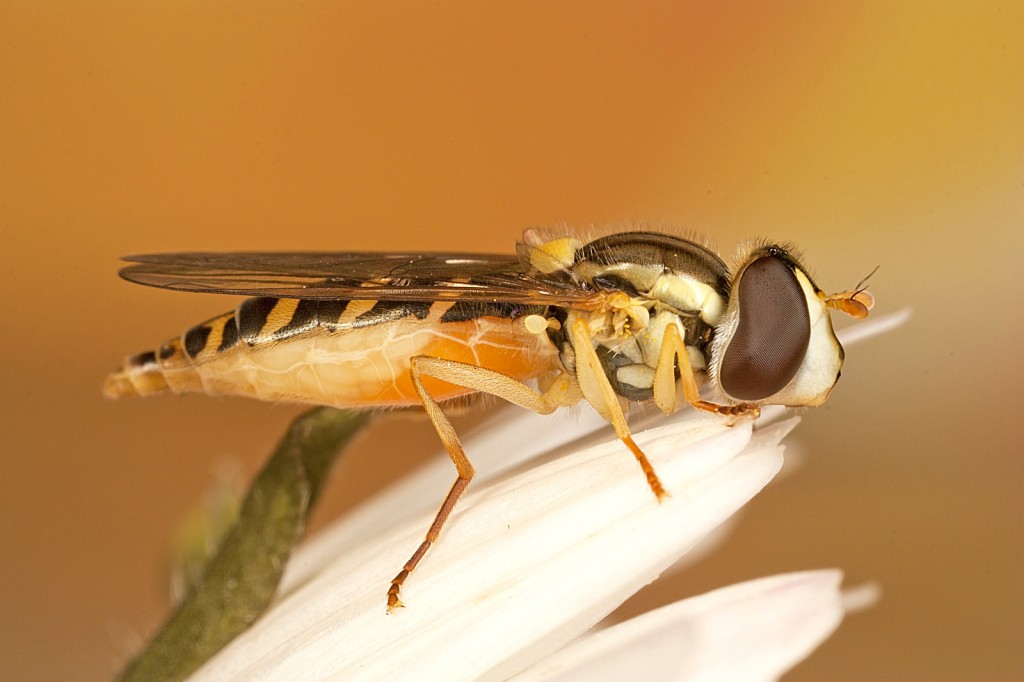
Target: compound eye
772 334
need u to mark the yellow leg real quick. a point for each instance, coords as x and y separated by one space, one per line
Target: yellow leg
673 350
485 381
599 393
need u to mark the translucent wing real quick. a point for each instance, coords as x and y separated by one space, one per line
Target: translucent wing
375 276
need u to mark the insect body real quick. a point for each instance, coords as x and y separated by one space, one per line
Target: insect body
630 317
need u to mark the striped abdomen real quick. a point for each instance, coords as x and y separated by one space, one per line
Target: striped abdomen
341 353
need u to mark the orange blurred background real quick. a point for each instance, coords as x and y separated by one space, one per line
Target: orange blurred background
873 133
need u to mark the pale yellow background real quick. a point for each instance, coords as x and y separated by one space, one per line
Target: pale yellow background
870 135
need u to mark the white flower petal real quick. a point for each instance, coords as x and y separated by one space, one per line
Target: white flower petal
508 438
528 562
752 631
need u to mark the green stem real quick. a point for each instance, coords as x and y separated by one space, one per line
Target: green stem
240 580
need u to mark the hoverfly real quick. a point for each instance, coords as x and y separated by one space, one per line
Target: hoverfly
628 317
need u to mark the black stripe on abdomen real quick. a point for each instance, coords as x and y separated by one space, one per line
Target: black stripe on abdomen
251 317
305 317
329 312
389 311
464 311
142 359
195 339
229 336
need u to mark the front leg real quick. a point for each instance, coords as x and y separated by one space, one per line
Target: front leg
673 351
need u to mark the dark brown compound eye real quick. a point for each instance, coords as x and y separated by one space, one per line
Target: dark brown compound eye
772 335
